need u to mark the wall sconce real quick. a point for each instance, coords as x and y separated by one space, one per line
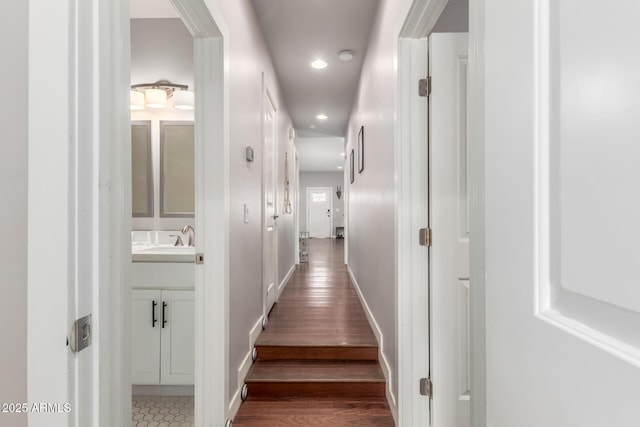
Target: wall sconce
339 192
155 95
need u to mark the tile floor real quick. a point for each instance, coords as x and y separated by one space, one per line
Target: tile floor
162 411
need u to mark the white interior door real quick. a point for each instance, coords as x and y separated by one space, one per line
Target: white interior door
319 211
562 208
450 358
270 128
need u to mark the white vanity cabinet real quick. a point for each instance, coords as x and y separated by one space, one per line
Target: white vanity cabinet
163 333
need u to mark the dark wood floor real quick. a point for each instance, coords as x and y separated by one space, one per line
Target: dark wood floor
317 359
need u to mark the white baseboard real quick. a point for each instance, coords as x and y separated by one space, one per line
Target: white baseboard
284 282
162 390
382 358
243 369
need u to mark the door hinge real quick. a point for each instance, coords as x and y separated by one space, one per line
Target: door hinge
426 387
425 237
424 87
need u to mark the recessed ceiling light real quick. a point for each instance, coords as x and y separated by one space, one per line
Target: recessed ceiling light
346 55
342 154
319 64
339 167
322 117
312 126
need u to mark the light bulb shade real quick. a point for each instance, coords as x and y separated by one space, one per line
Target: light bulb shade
137 100
155 98
183 100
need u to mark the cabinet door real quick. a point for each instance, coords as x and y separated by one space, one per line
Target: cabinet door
145 358
178 338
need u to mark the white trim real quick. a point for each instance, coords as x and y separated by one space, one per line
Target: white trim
52 198
296 206
115 301
162 390
330 189
422 17
284 282
382 357
243 369
475 132
412 214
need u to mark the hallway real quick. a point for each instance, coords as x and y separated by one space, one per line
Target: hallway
317 359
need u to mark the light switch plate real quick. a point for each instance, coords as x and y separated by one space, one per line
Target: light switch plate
249 154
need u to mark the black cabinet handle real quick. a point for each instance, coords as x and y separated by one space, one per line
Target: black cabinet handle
153 314
164 318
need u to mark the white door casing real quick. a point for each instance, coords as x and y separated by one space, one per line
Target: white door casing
269 205
561 143
320 211
449 205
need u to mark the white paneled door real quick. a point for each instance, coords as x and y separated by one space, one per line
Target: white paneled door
319 209
269 248
562 180
449 209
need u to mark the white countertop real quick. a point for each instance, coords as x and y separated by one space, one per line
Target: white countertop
163 253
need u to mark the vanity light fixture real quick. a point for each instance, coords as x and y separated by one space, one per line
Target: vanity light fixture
183 100
137 100
155 95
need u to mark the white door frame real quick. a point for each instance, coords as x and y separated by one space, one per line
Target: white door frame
296 205
412 213
330 189
476 153
211 149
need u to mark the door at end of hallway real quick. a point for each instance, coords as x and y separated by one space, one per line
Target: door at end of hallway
319 211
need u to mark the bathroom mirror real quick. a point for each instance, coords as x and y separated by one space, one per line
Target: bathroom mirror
141 169
177 178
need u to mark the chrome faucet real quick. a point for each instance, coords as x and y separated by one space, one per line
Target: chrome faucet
192 234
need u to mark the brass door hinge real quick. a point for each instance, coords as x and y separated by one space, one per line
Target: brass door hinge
424 87
425 237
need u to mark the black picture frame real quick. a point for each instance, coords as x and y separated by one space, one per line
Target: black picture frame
352 169
361 150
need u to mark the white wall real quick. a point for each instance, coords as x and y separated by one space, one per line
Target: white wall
248 58
322 179
371 198
13 211
161 49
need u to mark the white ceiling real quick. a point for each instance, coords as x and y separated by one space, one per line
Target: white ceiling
320 154
299 31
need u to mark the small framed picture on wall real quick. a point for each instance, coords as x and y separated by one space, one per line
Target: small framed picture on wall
352 169
361 149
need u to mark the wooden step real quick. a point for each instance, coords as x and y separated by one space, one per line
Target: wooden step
324 352
313 412
305 378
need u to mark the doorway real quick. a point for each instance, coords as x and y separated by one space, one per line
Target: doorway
210 305
270 203
319 212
